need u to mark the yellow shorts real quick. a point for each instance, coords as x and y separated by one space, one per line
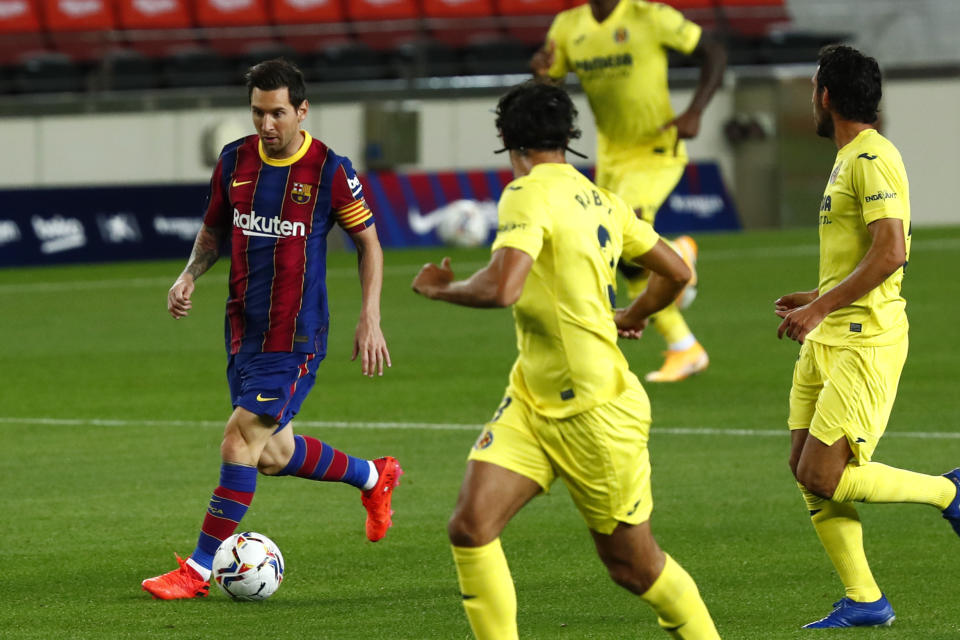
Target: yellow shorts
642 187
846 392
600 454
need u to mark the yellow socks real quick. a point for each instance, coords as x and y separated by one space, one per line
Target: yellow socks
679 607
875 482
838 527
489 597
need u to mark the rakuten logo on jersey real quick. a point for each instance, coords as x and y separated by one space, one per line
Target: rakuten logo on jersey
254 225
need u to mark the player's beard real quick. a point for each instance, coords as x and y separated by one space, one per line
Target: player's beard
824 122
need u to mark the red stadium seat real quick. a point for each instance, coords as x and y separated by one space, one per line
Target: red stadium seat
232 27
383 24
309 25
154 14
82 29
458 22
20 30
529 20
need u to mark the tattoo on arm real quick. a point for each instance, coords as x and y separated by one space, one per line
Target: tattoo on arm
206 250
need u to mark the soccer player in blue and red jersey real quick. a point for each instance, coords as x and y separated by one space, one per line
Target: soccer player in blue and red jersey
274 196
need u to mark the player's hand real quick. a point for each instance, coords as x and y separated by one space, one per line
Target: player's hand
784 304
542 60
630 330
178 297
433 278
687 124
800 321
371 346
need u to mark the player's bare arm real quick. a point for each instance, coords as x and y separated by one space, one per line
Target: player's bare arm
206 250
368 340
886 254
541 62
712 58
784 304
497 285
668 274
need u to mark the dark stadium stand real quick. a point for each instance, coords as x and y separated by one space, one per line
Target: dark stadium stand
120 45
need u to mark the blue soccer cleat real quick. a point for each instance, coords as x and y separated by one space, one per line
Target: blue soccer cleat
847 613
952 512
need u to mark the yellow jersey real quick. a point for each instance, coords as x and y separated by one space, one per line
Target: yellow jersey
622 66
568 360
868 183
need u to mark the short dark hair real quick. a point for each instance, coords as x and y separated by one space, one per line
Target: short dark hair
853 80
276 74
536 115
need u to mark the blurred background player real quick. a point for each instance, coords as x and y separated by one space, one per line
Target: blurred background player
853 331
572 408
617 49
274 196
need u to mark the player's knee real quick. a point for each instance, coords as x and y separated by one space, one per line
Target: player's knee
466 531
816 482
634 577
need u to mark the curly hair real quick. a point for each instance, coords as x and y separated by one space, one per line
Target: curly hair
536 115
278 73
853 80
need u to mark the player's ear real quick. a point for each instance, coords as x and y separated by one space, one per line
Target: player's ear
824 98
302 110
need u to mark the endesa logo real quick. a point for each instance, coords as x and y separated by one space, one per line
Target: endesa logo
253 225
880 195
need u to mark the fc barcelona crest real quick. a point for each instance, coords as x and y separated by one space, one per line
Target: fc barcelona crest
300 193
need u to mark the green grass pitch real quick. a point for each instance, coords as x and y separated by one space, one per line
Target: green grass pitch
110 420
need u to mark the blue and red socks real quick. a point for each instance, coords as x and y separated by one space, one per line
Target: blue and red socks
316 460
228 504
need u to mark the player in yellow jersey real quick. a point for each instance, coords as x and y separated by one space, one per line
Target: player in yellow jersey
572 407
618 49
853 331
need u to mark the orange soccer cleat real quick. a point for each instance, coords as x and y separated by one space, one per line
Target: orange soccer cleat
182 582
680 364
377 499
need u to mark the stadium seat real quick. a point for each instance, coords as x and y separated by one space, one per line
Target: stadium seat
231 28
156 27
20 29
497 57
347 61
529 20
123 69
260 52
383 24
84 29
197 67
427 58
455 22
309 25
47 72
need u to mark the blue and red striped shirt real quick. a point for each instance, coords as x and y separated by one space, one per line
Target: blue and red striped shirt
280 212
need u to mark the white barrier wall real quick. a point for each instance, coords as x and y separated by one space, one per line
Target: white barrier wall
921 116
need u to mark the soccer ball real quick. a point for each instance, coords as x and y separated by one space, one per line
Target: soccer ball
464 223
248 566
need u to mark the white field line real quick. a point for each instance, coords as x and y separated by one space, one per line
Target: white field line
944 244
430 426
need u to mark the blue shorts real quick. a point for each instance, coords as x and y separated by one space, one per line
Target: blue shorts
272 384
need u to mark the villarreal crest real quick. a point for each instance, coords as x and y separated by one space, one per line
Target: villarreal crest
300 193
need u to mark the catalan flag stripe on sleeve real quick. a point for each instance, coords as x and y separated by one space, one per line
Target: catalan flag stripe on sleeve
355 216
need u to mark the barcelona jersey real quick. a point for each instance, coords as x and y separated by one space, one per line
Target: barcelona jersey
868 183
277 214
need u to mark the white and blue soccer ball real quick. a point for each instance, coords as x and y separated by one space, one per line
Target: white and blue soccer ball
248 566
466 223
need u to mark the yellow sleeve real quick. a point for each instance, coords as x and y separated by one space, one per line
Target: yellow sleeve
675 31
522 220
877 182
638 236
557 35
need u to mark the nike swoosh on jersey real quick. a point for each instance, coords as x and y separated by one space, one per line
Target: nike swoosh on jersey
241 183
260 398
